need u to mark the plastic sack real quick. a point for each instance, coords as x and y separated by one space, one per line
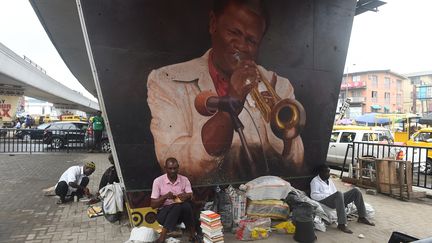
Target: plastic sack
253 229
303 213
223 206
238 201
286 227
319 224
142 234
297 197
267 187
275 209
352 209
259 233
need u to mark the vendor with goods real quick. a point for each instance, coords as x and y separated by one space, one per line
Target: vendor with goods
171 195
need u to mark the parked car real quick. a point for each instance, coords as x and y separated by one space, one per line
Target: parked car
423 138
3 132
89 140
28 134
418 149
340 139
60 134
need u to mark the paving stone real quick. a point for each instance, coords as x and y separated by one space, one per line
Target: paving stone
27 216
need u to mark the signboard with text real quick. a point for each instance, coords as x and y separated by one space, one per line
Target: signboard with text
9 106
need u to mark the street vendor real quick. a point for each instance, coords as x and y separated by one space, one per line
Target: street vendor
324 191
74 181
171 195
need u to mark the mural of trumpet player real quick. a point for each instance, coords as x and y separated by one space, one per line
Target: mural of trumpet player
222 115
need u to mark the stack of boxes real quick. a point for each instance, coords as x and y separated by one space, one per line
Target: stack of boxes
211 227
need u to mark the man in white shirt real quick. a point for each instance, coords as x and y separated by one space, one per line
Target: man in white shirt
324 191
74 181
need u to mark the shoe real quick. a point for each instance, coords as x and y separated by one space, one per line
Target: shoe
84 199
344 229
93 201
66 200
365 221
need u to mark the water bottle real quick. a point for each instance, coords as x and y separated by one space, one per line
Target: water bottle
75 198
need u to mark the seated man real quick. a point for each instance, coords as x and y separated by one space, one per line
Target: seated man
74 181
324 191
110 175
171 194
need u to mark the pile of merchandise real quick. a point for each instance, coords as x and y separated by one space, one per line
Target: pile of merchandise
211 227
265 203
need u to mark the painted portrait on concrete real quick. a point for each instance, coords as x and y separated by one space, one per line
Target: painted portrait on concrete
199 106
181 78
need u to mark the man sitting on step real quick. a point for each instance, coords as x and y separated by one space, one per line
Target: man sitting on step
324 191
171 195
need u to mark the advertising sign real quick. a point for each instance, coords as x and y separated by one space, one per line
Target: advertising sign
9 106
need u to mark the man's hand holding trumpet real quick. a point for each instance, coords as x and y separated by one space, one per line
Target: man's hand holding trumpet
286 116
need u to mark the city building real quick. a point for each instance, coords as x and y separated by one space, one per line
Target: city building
380 91
422 91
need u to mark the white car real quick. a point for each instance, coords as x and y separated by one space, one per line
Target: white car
340 139
374 143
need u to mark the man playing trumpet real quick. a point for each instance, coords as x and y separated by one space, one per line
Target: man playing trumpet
202 134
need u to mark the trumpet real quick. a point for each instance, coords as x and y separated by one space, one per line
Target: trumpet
282 114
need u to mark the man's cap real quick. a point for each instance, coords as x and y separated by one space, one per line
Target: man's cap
91 165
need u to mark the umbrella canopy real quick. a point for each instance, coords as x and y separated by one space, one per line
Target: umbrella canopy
345 121
372 119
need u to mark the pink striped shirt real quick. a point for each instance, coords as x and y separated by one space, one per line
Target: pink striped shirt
162 185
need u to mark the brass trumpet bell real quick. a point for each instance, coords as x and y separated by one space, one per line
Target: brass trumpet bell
282 114
287 114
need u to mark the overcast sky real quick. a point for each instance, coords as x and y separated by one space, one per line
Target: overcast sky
21 31
398 37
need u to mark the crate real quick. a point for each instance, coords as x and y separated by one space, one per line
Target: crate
388 176
394 177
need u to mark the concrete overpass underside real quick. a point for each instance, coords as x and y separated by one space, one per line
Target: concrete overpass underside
19 77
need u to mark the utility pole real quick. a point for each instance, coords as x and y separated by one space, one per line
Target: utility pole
414 97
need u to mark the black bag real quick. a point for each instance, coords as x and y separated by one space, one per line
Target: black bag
397 237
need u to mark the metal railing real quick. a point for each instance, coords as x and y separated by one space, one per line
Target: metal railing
421 162
36 141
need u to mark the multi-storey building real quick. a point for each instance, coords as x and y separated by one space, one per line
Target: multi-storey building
378 91
422 90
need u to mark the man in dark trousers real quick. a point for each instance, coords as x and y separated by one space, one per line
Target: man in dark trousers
171 194
324 191
98 125
74 181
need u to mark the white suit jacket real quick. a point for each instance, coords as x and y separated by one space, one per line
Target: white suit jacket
176 125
